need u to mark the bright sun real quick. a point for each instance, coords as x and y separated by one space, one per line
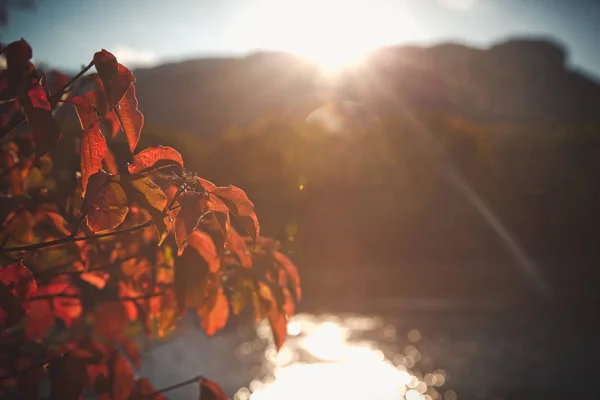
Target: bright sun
333 33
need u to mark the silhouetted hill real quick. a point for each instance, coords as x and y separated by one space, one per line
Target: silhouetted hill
379 211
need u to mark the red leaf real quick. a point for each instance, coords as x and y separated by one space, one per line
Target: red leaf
237 245
209 390
292 272
130 118
110 320
215 312
116 78
121 376
278 323
152 156
145 390
203 244
110 163
39 320
17 285
206 185
18 54
65 308
235 198
105 202
67 376
44 127
93 143
192 207
239 204
132 351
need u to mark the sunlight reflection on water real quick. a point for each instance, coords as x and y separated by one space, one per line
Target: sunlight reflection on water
326 358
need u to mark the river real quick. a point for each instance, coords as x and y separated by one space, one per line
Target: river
428 356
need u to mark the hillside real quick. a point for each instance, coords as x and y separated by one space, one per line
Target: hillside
377 215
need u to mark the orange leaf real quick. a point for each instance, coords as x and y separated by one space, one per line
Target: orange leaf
237 245
132 351
122 377
67 309
130 118
115 78
39 320
93 143
292 272
145 390
214 312
209 390
110 320
155 156
105 202
110 163
203 244
206 185
17 285
239 204
44 127
278 323
189 280
192 207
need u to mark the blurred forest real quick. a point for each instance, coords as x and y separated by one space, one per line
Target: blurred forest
519 126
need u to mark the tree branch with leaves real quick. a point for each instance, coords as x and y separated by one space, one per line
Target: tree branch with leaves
85 254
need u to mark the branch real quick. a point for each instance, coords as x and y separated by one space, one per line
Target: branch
197 379
70 238
76 296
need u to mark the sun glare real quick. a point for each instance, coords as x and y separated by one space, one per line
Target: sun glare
333 33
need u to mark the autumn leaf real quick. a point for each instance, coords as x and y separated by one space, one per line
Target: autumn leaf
291 271
39 320
93 143
130 118
189 280
132 351
44 127
203 244
121 377
192 208
67 376
110 319
214 312
145 390
110 163
236 244
278 323
209 390
150 196
155 157
19 226
105 202
239 204
115 78
17 286
205 185
65 308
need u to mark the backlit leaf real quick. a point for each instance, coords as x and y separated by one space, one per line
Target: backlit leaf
130 118
132 351
278 323
239 204
209 390
236 244
67 376
155 157
66 308
192 208
292 272
105 203
214 312
203 244
153 194
189 280
44 127
93 143
121 376
145 390
115 78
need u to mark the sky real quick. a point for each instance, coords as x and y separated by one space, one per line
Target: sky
66 33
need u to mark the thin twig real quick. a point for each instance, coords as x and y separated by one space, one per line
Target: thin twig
197 379
69 239
76 296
